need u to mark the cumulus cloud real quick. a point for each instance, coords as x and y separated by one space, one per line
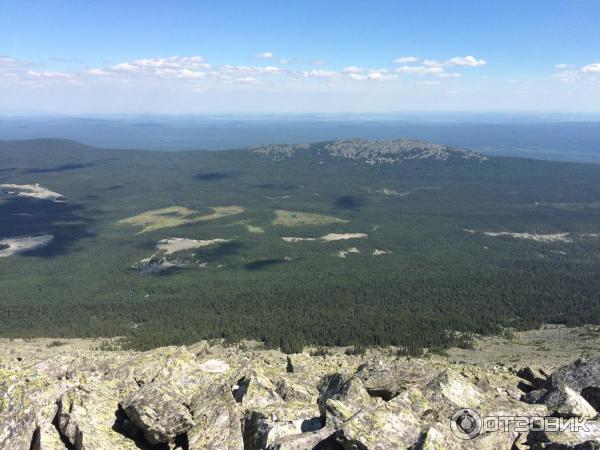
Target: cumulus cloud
265 55
406 60
591 68
420 70
468 61
195 74
570 73
353 69
458 61
320 73
48 74
377 75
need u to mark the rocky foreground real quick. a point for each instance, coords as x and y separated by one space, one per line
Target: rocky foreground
57 395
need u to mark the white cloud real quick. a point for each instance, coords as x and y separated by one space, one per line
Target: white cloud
265 55
247 80
459 61
449 75
406 60
420 70
48 74
353 69
376 76
468 61
564 66
320 73
357 77
318 62
591 68
190 74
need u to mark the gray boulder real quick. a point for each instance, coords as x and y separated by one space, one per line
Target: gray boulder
581 376
345 388
387 378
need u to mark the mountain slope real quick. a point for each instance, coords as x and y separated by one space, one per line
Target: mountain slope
312 248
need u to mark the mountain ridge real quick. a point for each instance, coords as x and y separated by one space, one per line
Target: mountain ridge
372 151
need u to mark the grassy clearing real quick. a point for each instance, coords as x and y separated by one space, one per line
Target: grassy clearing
175 216
299 219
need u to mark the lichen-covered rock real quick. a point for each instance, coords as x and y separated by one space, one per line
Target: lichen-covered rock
27 402
346 388
218 423
264 426
581 376
534 376
322 439
454 389
291 390
299 363
440 437
214 366
387 378
566 440
375 428
565 402
255 390
160 407
86 416
160 411
233 398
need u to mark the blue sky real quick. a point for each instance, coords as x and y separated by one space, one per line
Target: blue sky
299 56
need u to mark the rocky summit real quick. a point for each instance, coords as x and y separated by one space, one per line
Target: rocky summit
372 152
65 395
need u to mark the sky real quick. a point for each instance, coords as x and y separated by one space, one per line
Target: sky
298 56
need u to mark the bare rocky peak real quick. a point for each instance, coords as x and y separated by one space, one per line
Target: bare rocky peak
279 150
375 152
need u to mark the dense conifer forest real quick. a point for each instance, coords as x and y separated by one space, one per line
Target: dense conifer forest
447 248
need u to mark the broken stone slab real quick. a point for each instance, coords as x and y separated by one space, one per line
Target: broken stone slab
217 420
439 436
162 364
581 376
160 411
214 366
263 427
566 440
346 388
565 402
86 417
27 402
322 439
387 378
46 437
299 363
254 390
535 377
292 391
375 428
455 389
